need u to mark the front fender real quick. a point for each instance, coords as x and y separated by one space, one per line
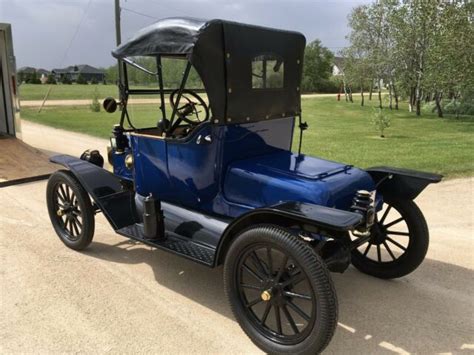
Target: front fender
404 183
107 190
310 216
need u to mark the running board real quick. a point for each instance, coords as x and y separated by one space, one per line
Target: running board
173 243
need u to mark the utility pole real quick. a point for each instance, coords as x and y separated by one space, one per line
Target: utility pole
118 38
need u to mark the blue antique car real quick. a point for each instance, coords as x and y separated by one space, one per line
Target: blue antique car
214 179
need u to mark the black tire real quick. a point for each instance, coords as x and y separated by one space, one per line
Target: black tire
70 210
300 268
404 250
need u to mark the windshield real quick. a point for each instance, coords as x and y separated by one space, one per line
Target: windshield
144 105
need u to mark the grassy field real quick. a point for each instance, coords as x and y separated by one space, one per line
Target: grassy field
66 92
337 130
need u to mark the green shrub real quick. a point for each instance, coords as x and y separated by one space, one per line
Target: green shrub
81 80
51 79
380 121
464 107
66 80
95 105
33 78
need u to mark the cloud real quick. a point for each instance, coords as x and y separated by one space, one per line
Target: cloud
44 29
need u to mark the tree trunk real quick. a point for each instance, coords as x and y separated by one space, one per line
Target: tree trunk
390 95
371 89
438 96
362 95
380 93
412 100
345 90
395 96
350 94
418 85
456 106
418 95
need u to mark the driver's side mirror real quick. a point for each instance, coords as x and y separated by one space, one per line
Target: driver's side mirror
110 105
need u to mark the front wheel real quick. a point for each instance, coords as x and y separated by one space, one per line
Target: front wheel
280 291
398 244
70 210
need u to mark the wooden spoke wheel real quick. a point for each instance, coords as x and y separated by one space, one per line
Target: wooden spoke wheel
398 244
70 210
280 291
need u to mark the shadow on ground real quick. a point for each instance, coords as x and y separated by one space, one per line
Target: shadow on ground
426 312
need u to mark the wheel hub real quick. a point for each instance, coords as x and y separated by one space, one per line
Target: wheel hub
66 210
274 291
378 234
266 295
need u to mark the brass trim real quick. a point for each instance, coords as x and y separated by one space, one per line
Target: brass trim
266 295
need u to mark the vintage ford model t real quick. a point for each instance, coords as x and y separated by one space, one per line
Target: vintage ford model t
216 181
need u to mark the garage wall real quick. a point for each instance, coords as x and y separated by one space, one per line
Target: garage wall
9 104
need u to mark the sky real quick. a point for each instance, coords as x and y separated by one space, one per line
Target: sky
56 33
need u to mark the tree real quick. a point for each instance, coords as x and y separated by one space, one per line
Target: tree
32 78
381 121
66 80
420 49
111 74
371 45
51 79
449 65
81 79
317 68
356 70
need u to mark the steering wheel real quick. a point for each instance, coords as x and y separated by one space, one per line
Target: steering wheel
193 111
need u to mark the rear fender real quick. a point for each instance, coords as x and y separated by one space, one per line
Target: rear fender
107 190
404 183
308 216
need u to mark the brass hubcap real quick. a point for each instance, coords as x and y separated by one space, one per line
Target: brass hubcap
266 295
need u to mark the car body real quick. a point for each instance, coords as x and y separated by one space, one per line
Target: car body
195 187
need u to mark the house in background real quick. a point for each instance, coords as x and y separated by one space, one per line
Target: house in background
338 66
72 73
33 75
43 75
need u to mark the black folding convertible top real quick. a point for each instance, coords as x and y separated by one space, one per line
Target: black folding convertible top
222 53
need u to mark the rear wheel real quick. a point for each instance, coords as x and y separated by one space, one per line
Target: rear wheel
398 244
280 291
70 210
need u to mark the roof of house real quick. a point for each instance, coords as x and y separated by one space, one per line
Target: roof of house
82 68
339 62
32 70
42 71
26 70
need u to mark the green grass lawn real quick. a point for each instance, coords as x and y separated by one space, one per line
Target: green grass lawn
337 130
66 92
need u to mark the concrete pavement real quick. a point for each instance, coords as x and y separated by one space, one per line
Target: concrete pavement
119 296
122 297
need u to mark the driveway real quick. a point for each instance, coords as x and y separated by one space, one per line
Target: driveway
123 297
